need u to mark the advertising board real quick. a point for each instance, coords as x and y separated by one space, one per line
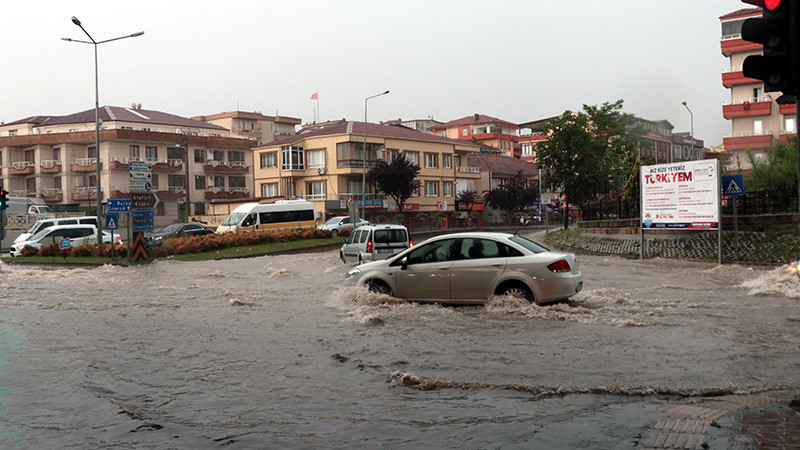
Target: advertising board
682 195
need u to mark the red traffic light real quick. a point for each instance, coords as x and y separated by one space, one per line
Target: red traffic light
772 4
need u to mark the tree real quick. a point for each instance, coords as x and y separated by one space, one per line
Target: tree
513 195
777 170
396 179
467 196
589 153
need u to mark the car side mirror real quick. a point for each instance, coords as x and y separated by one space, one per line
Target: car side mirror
404 263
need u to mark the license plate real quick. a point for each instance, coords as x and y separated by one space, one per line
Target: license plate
385 250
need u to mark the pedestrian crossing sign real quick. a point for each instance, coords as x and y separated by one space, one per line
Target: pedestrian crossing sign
733 184
112 221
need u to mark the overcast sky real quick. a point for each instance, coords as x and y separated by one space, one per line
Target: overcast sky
516 60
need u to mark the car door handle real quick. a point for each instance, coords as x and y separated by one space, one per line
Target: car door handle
496 265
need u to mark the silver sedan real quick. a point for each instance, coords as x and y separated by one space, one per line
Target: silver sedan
468 268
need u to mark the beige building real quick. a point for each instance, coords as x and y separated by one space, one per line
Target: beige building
54 158
326 166
253 125
757 120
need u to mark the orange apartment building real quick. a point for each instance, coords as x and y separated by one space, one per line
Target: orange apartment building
757 120
500 136
253 125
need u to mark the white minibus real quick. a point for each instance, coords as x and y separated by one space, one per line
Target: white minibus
269 216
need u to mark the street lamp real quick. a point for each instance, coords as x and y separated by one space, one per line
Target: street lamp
97 115
691 120
364 165
186 185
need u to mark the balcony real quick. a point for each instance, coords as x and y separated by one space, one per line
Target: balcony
84 165
735 43
789 109
84 193
214 193
746 141
52 195
468 172
50 166
759 107
171 193
733 78
227 167
21 168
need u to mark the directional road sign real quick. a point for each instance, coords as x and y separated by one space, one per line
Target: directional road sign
142 220
118 205
144 200
141 177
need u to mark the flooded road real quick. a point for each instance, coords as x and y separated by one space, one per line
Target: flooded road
278 351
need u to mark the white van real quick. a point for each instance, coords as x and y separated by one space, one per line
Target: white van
75 234
374 243
47 223
269 216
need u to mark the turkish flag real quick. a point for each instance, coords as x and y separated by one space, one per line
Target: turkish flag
315 96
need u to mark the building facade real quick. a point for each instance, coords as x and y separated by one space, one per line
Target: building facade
253 125
326 165
757 120
499 135
54 158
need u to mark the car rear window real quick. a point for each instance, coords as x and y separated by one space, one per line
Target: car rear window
390 236
530 245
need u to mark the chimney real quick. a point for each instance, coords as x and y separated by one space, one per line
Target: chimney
477 117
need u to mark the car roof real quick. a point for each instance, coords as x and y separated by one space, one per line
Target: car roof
383 226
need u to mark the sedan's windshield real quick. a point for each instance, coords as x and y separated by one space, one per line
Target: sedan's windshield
171 228
333 221
233 219
530 245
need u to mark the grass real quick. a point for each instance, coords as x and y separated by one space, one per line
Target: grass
245 251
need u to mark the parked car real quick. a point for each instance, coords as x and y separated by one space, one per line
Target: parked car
178 230
374 243
468 268
46 223
334 224
74 234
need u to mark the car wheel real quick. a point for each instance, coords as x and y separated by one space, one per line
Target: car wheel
517 290
334 233
378 287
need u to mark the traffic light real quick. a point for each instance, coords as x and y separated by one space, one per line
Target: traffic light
3 199
777 30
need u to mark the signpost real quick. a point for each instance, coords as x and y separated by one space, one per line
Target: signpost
733 185
141 206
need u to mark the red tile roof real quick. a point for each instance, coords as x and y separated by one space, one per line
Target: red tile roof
474 120
373 129
116 113
499 164
741 12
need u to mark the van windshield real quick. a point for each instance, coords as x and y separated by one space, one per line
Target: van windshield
233 219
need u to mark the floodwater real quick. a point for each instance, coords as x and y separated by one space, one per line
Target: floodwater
278 351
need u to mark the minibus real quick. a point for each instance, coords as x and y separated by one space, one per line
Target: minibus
269 216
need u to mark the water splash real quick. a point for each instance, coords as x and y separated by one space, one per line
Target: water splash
783 280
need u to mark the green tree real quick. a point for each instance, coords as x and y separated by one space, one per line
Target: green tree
467 196
778 169
589 153
513 195
396 179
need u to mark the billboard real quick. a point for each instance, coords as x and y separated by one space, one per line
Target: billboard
682 195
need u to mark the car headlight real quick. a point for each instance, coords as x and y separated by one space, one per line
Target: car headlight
352 272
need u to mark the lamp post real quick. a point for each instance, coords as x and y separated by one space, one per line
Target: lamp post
691 125
97 116
364 162
186 184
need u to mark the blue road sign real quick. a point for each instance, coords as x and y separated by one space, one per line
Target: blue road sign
118 205
733 184
142 220
112 221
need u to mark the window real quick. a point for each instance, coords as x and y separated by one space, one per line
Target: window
30 156
527 150
292 158
133 152
237 182
447 188
315 190
790 126
269 190
354 187
431 189
391 155
218 155
757 92
151 153
412 157
269 160
431 160
236 156
176 153
216 181
91 152
199 155
56 154
315 158
447 161
154 181
199 182
30 184
176 181
758 127
351 154
465 131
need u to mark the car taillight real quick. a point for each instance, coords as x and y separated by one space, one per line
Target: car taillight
369 246
559 266
410 243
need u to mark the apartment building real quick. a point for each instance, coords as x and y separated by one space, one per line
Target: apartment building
500 136
757 120
326 165
253 125
54 158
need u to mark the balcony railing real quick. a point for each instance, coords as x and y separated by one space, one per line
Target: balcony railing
21 165
464 169
84 162
357 196
85 190
50 163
